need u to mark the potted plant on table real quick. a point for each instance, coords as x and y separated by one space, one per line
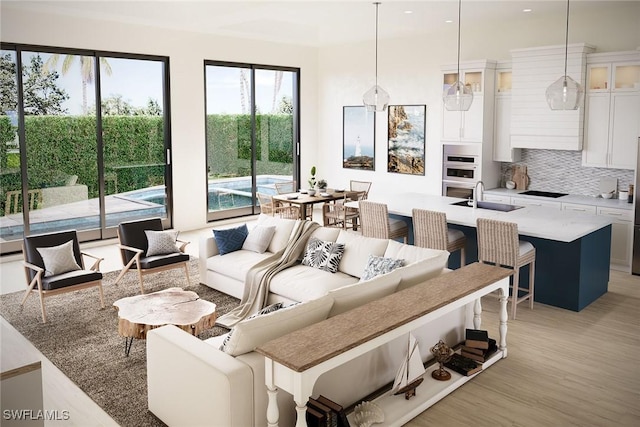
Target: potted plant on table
322 185
312 182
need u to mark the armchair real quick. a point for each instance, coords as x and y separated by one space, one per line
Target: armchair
54 264
134 250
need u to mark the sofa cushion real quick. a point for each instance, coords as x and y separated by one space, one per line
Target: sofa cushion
377 265
284 227
251 333
410 253
422 270
351 296
323 255
236 264
259 238
266 310
161 242
302 283
58 259
328 234
357 250
230 239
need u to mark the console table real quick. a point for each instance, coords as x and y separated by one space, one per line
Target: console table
295 361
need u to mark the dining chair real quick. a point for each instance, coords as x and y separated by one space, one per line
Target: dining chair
360 186
285 187
268 206
430 231
375 222
54 264
498 244
338 215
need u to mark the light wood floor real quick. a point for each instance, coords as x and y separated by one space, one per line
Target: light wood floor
563 368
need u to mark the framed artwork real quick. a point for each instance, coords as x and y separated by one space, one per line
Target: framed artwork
406 139
358 138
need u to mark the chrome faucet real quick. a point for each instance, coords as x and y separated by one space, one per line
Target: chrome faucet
476 195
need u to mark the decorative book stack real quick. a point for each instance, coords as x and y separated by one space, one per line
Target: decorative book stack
475 341
478 346
323 412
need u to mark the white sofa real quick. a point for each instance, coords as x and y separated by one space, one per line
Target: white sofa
192 382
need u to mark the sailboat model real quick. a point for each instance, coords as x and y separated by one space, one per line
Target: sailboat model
411 370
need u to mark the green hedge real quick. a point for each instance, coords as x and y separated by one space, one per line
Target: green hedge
60 146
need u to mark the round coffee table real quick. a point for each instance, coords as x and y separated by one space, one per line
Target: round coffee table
172 306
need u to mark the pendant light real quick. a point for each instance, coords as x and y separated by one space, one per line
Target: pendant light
376 98
565 93
458 97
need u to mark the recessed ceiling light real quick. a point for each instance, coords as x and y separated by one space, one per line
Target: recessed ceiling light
527 10
448 21
408 12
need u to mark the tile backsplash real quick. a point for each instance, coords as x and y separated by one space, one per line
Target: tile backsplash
562 171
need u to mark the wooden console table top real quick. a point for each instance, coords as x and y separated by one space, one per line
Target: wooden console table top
310 346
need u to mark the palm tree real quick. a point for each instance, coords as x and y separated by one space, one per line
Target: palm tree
86 71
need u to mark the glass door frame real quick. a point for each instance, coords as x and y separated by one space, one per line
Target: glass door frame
254 208
103 232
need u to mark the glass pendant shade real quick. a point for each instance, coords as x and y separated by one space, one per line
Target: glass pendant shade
376 99
564 94
458 97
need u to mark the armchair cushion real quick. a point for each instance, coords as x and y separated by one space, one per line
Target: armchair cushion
161 242
160 260
69 278
58 259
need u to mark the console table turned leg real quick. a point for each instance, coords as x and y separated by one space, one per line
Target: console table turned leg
301 418
504 315
477 314
273 414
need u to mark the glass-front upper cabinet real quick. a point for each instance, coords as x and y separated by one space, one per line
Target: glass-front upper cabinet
613 71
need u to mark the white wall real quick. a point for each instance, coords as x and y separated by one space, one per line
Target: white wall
186 52
409 69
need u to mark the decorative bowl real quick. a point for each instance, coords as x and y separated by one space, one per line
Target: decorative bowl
607 195
510 185
311 192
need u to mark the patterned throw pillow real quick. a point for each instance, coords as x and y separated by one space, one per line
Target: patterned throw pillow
161 242
230 239
377 265
268 309
323 255
259 238
58 259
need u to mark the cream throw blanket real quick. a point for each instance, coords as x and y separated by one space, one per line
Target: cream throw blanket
259 276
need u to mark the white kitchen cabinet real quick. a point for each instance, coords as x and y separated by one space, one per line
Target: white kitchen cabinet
502 150
612 110
576 207
523 201
496 198
533 123
476 124
621 235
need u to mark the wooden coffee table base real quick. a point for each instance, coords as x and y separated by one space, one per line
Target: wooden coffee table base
174 306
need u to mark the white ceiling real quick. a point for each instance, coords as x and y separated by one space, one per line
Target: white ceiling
303 22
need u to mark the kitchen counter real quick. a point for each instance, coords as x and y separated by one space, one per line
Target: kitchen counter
533 221
572 248
570 198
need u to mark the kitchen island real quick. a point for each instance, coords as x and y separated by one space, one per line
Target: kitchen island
572 249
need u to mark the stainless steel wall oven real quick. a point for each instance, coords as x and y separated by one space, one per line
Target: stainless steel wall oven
460 170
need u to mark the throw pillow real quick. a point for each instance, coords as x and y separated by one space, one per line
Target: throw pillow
161 242
323 255
58 259
268 309
230 239
377 265
259 238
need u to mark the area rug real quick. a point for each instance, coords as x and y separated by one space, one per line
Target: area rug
82 340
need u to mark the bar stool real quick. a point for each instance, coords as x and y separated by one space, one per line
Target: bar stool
375 222
430 231
498 244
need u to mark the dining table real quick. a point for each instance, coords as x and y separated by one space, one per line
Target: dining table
302 200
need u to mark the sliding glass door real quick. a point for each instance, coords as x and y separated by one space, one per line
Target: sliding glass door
252 134
84 144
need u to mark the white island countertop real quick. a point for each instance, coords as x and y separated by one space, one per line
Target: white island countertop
534 221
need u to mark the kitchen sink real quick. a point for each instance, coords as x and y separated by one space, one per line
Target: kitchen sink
503 207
